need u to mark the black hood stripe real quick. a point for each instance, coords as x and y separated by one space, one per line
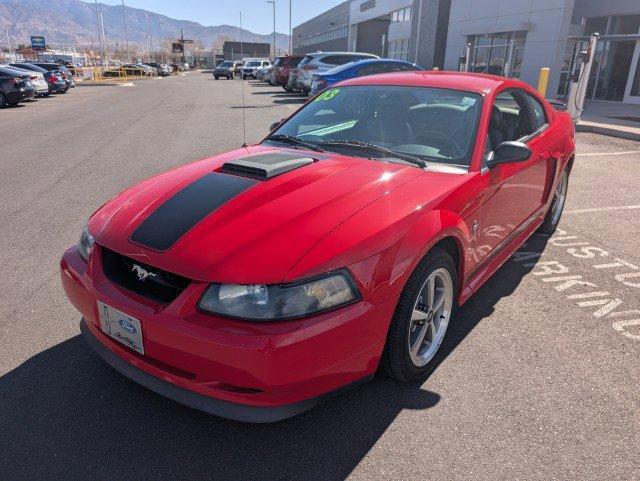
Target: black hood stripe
186 208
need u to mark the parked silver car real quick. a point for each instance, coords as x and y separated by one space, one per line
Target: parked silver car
36 78
319 62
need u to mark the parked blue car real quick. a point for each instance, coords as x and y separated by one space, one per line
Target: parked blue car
359 69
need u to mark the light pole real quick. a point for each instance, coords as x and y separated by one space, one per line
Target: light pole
290 35
103 38
241 51
6 29
99 31
150 38
126 35
273 2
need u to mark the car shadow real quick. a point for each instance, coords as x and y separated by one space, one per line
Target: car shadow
65 414
251 106
294 100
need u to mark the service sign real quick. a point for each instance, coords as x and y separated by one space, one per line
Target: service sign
177 47
38 43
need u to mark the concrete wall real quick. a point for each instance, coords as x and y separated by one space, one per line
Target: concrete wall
600 8
379 8
546 22
332 19
231 50
335 45
370 35
429 24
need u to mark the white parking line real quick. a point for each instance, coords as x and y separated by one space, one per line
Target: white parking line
602 209
627 152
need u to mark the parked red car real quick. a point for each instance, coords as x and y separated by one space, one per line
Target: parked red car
255 283
281 68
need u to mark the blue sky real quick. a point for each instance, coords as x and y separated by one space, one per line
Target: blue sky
257 14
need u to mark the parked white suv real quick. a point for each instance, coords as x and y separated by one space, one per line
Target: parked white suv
251 67
319 62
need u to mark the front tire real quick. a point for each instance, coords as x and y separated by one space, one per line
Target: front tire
419 324
3 100
554 214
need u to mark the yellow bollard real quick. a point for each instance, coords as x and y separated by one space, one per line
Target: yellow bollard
543 81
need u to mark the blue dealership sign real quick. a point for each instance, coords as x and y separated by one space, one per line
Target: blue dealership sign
38 43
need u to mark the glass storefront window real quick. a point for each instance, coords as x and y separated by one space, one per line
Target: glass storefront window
498 53
402 15
496 60
596 25
624 24
499 39
482 40
480 60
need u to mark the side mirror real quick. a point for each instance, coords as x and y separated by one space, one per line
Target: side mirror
508 152
275 125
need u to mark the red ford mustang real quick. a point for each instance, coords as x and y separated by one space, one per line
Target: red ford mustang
255 283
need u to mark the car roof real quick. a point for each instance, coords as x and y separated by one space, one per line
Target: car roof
348 54
367 61
471 82
11 71
30 66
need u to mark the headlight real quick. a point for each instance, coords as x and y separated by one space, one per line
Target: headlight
86 244
261 302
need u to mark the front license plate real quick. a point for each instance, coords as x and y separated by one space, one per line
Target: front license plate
123 328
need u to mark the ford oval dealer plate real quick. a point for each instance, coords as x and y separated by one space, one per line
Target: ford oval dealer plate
124 329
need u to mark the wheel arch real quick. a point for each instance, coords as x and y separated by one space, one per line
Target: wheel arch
439 229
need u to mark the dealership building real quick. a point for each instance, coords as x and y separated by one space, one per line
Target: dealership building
514 38
389 28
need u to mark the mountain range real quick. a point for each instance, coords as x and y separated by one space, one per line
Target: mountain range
73 22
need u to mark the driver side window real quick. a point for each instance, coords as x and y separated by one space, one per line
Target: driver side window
509 119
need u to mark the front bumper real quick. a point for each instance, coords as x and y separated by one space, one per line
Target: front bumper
248 371
235 411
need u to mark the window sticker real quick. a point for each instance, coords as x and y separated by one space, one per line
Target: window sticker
468 101
328 95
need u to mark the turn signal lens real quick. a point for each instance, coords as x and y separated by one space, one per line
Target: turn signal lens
85 246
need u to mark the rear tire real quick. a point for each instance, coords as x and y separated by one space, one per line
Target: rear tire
554 214
421 319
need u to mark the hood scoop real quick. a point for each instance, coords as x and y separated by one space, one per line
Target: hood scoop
265 166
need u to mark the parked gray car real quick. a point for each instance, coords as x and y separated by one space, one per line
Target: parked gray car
225 70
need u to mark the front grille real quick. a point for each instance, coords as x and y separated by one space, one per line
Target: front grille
159 285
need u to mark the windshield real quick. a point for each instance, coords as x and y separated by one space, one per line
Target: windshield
253 64
226 64
305 60
430 123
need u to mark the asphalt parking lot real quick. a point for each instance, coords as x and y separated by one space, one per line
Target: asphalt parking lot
539 377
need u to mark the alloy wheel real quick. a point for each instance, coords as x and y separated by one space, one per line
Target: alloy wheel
559 198
430 317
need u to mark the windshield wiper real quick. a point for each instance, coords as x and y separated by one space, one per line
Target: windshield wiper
373 148
290 139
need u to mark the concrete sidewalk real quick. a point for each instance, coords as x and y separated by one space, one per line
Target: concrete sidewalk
611 118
